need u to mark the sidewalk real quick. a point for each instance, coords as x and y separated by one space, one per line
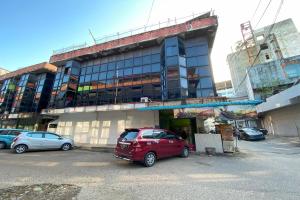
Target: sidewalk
294 141
96 147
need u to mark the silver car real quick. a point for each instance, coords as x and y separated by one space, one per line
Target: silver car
40 141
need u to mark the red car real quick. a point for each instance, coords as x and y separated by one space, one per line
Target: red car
149 144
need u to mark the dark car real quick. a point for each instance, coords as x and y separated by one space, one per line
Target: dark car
250 134
147 145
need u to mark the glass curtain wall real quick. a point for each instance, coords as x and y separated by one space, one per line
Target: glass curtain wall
200 81
7 94
120 79
24 94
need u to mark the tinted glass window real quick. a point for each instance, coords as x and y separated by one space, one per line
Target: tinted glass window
172 61
111 66
172 51
153 134
35 135
207 92
127 71
110 74
129 62
137 70
87 78
51 136
15 133
147 133
103 67
182 71
146 69
147 59
95 77
89 70
155 58
129 135
155 67
96 69
138 61
206 82
4 132
102 76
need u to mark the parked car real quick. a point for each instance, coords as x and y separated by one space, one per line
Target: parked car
40 141
7 136
147 145
250 134
263 130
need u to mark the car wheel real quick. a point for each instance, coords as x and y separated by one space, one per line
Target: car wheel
185 152
2 145
66 147
21 148
149 159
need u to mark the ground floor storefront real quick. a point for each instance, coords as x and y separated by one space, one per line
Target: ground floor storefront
284 121
103 128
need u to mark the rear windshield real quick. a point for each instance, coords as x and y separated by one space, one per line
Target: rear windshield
129 135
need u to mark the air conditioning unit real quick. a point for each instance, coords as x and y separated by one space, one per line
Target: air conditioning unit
145 100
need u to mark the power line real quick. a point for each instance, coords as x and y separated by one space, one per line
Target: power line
263 14
255 10
150 13
269 33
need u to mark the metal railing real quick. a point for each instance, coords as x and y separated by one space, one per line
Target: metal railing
130 32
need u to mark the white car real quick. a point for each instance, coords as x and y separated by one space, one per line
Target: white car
40 141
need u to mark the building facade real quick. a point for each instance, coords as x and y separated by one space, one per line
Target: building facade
280 113
23 94
98 90
276 43
225 89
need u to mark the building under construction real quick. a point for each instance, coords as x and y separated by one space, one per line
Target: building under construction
266 61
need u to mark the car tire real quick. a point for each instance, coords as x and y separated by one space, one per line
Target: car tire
185 152
66 147
2 145
21 148
149 159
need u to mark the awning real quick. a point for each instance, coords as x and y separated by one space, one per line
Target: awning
204 105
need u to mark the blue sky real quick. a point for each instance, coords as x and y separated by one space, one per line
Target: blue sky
31 29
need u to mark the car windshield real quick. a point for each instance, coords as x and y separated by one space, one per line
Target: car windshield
251 131
129 134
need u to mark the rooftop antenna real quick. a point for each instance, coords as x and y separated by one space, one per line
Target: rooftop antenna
92 36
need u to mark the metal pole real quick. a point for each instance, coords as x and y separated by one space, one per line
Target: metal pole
116 92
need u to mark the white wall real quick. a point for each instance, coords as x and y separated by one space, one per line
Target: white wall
101 128
283 121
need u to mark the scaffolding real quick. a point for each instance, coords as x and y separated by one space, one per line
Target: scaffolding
249 41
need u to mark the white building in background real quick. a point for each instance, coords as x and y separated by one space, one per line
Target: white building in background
282 43
225 89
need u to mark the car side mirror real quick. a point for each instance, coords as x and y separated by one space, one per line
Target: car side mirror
60 138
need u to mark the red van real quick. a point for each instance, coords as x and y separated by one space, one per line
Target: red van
149 144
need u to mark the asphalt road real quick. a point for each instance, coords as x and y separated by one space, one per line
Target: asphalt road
263 170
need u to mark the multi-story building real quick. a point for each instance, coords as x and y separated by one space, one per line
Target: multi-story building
276 67
225 89
23 94
99 90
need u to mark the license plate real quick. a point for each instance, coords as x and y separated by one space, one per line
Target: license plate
123 146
